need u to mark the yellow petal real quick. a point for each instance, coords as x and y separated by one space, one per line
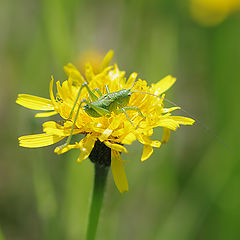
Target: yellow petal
117 80
59 90
38 140
107 59
105 134
76 78
131 80
114 124
147 152
74 75
167 110
183 120
50 124
61 150
52 128
168 123
116 147
46 114
166 135
147 141
64 92
129 138
118 172
69 68
51 92
89 74
86 145
34 102
163 85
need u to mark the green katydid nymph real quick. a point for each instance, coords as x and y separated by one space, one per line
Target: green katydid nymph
117 102
103 105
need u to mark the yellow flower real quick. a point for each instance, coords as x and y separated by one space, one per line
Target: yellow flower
212 12
112 131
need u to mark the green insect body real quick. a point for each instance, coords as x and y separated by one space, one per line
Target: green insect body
110 102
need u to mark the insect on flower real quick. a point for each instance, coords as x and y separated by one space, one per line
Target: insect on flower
107 108
103 105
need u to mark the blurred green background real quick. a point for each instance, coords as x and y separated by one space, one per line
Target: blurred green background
188 189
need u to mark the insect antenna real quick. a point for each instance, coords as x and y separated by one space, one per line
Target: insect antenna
190 115
133 84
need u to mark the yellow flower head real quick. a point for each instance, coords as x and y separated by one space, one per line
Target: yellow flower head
94 105
213 12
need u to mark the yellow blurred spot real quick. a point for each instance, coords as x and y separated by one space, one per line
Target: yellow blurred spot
212 12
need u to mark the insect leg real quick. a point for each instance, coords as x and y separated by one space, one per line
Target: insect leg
73 126
107 89
92 96
98 91
135 109
130 109
124 111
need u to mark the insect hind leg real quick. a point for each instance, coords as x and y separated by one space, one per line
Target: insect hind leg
92 96
124 109
72 129
98 91
134 109
107 89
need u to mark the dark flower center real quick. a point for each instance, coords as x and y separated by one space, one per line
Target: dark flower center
101 154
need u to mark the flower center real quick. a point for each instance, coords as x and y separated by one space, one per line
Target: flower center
101 154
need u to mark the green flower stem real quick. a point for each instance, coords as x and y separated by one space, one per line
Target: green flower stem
97 199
